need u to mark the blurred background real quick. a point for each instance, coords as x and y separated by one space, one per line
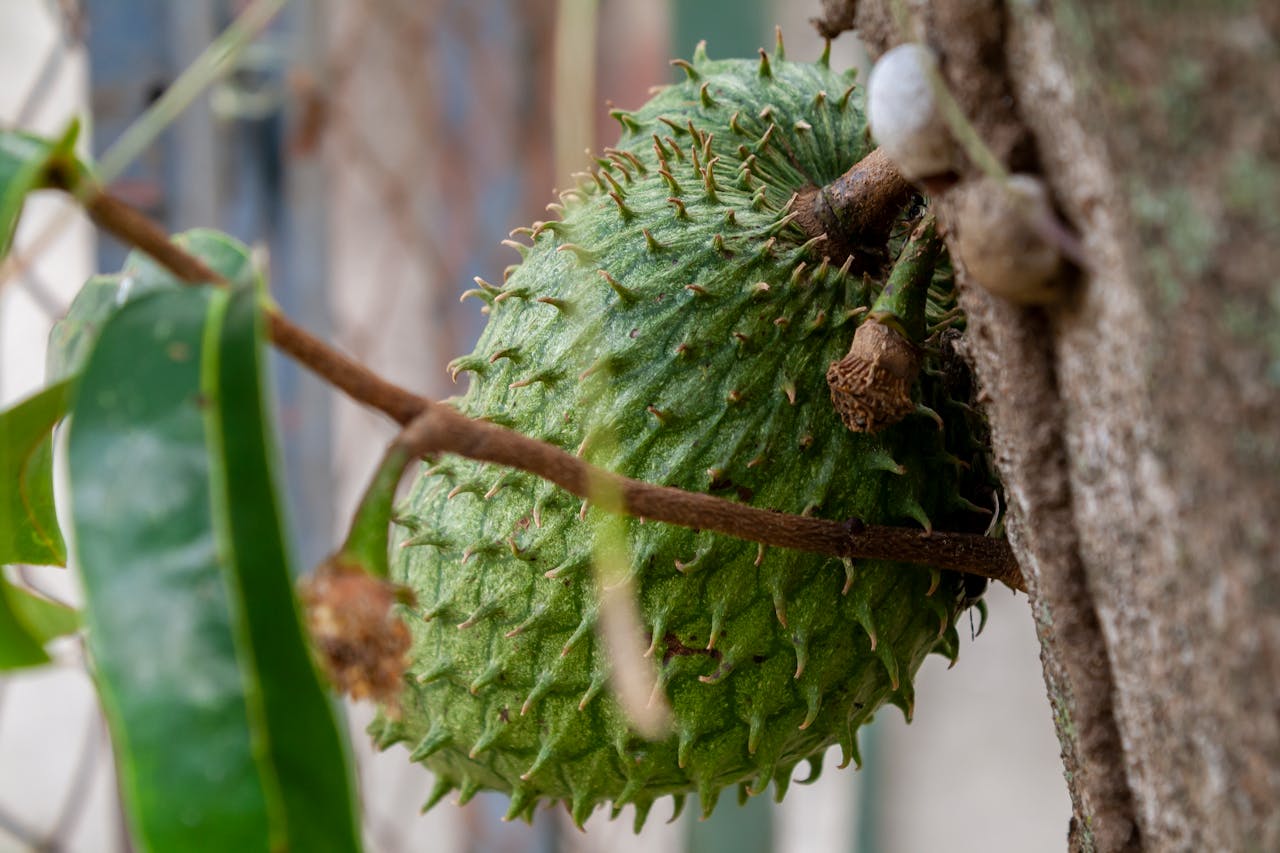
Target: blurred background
379 150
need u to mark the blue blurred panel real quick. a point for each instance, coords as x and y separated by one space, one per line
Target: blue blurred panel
732 28
130 65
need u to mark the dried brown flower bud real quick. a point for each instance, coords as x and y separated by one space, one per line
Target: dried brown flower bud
871 386
363 645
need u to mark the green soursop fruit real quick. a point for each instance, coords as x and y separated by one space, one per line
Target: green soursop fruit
675 325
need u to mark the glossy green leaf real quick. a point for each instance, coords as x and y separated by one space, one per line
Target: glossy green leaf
26 161
73 335
224 254
101 296
308 752
225 739
29 530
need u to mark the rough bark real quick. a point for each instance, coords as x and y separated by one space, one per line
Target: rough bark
1137 422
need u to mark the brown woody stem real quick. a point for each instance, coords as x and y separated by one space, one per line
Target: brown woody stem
443 429
857 210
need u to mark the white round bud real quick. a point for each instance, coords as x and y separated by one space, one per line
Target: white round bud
902 106
1004 236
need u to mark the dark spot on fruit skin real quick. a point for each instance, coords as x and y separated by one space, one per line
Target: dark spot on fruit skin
675 648
724 484
720 483
758 658
504 715
634 333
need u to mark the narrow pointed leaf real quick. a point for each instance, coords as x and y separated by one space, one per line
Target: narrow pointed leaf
43 619
308 752
27 162
224 736
29 530
19 647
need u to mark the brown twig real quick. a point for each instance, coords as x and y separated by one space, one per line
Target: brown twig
443 429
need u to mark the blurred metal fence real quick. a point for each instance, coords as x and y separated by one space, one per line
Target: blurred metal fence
57 791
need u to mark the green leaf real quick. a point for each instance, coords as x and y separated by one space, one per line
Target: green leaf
27 622
18 646
307 749
101 296
72 337
44 619
224 254
29 530
27 163
225 738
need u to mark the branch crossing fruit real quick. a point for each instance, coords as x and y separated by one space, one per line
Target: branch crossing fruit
675 325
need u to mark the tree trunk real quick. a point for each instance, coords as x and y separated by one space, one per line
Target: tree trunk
1137 420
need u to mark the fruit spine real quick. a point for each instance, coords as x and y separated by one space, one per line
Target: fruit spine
675 324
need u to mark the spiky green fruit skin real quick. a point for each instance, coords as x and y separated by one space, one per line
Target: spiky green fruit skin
766 660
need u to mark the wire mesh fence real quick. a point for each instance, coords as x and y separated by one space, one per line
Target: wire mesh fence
382 150
58 788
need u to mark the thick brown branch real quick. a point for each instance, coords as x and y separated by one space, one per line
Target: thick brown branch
443 429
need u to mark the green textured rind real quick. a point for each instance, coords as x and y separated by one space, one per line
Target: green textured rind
718 387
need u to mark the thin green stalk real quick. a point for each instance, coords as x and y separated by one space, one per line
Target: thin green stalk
902 302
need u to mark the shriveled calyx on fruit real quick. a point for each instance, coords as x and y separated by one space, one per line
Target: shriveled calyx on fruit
679 269
871 387
351 606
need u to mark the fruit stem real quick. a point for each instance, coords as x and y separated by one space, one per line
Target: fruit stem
439 428
871 386
902 302
366 543
857 210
